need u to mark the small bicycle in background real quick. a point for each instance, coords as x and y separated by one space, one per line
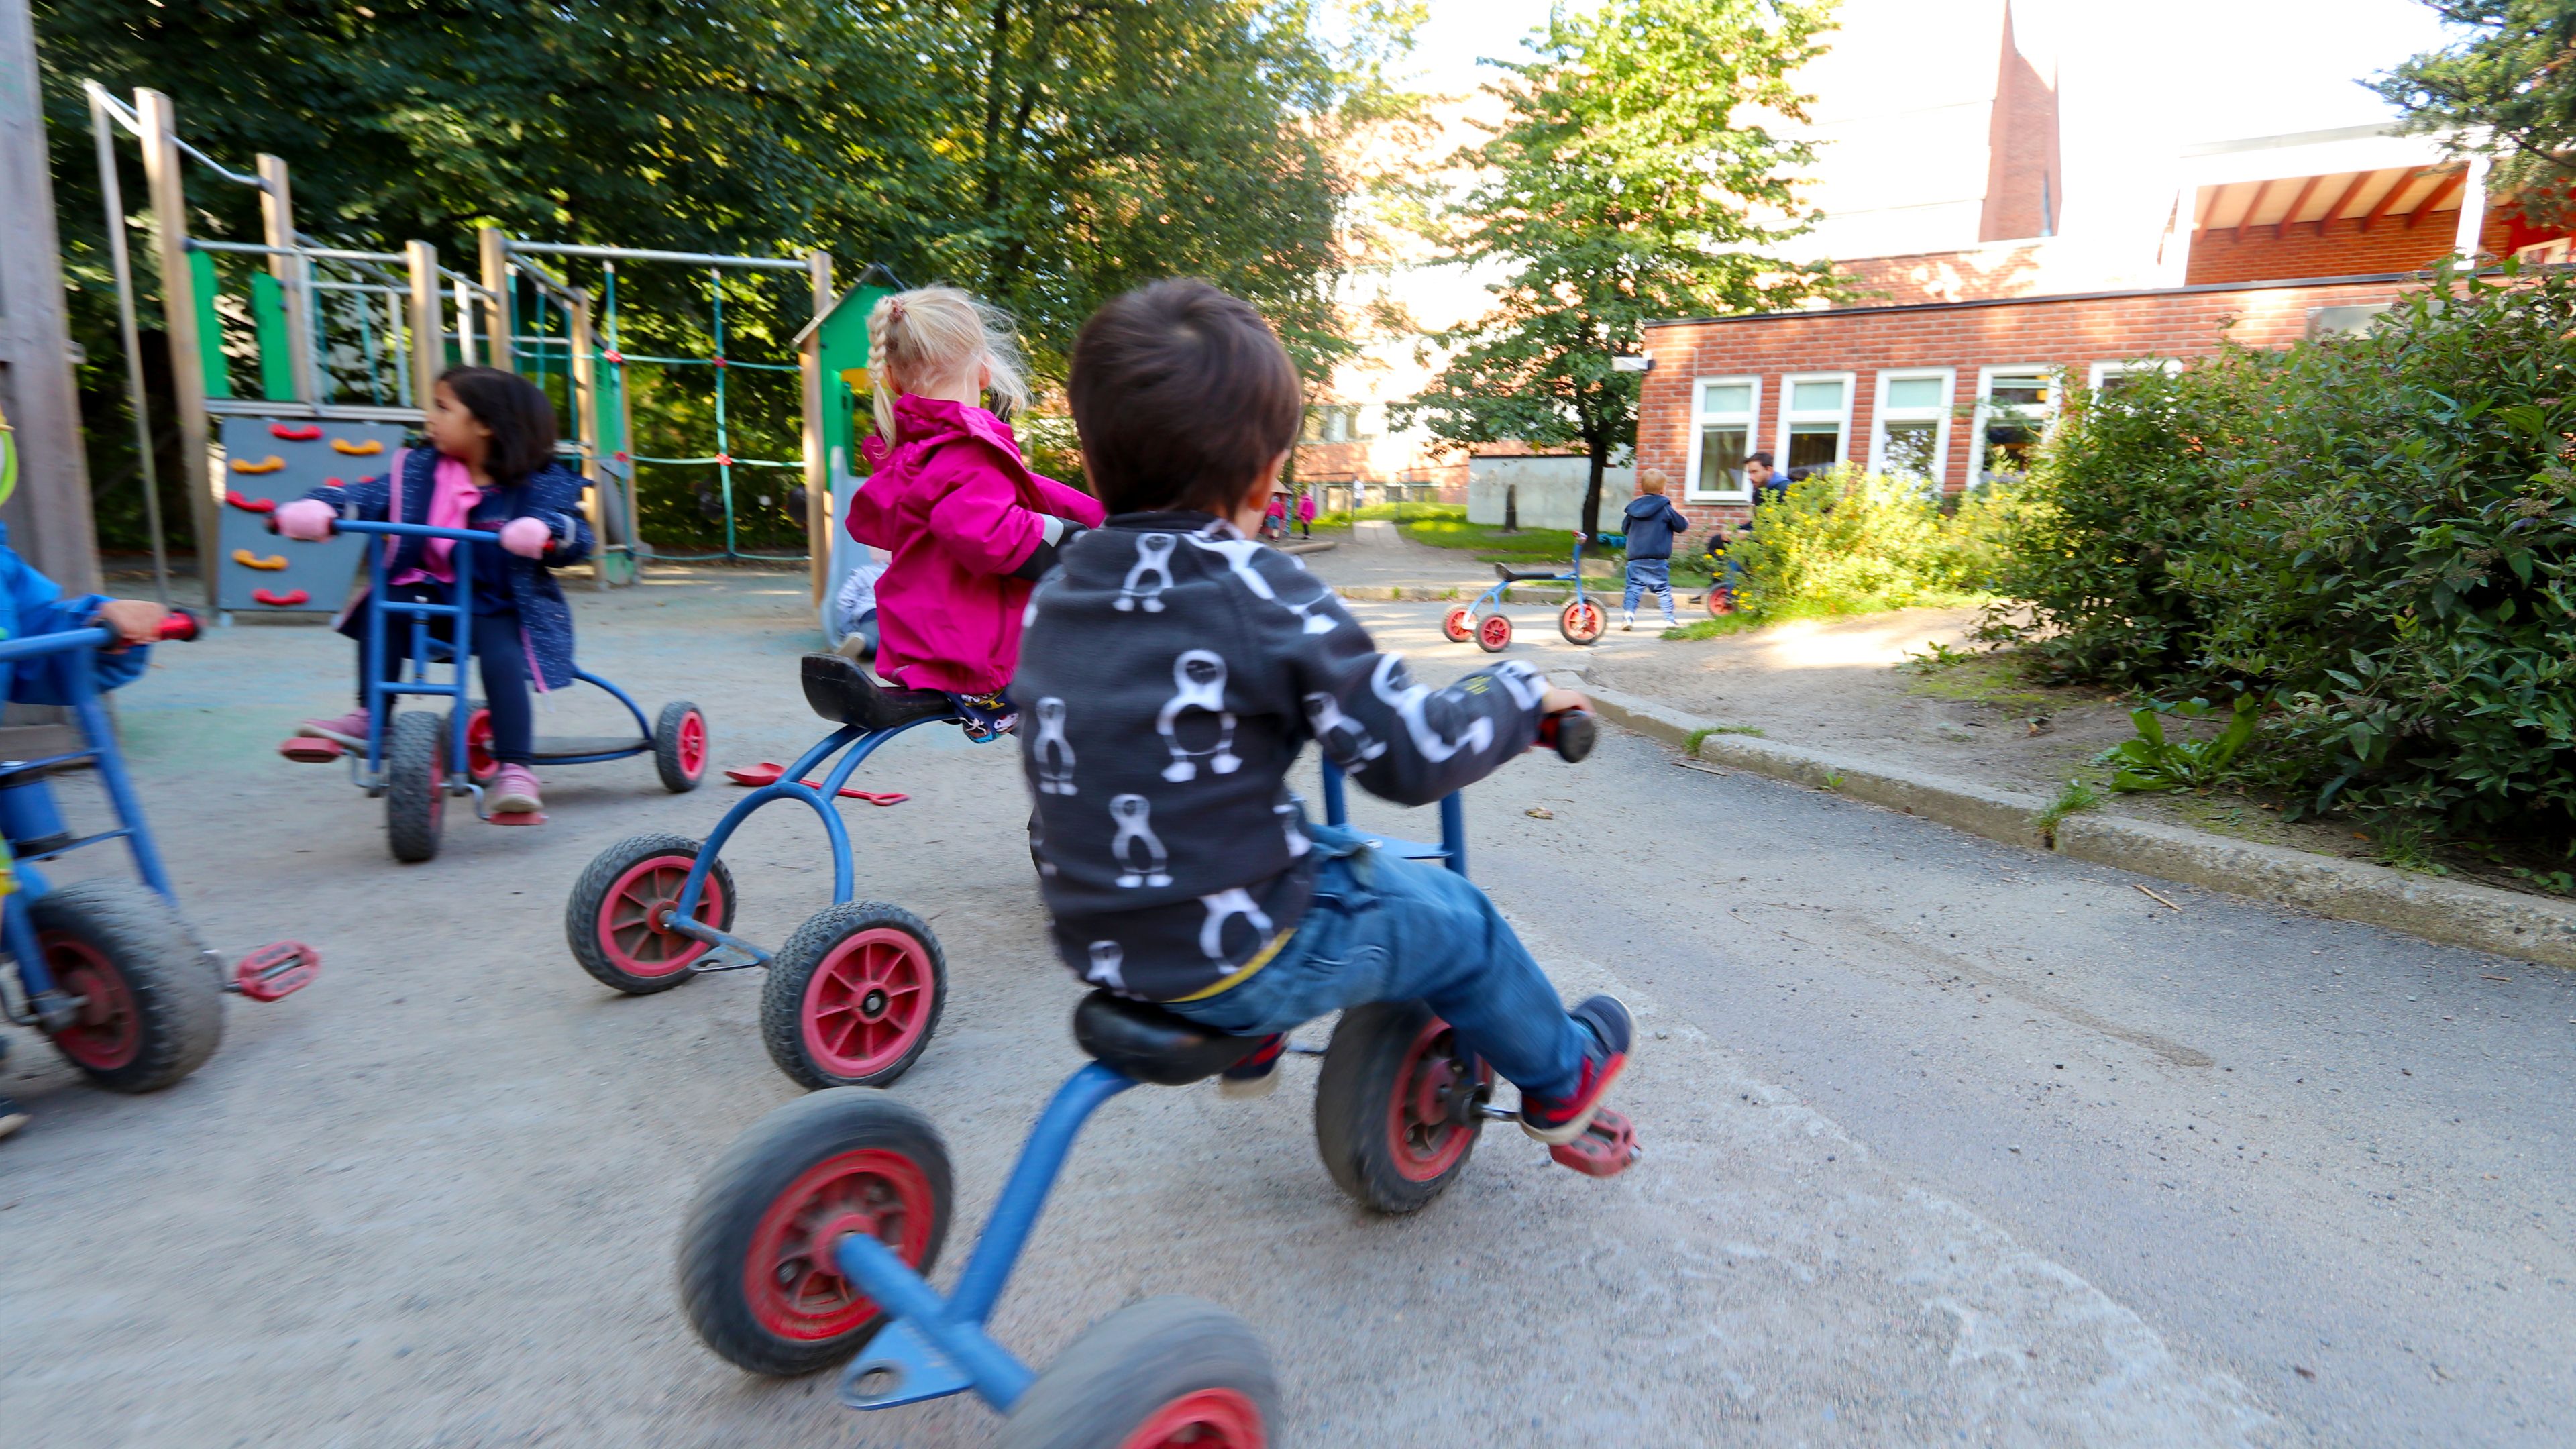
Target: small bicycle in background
811 1239
415 759
110 971
1581 621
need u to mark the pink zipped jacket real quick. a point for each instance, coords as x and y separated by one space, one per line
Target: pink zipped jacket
958 509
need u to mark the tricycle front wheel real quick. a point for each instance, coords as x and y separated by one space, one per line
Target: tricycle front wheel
151 1012
1581 621
1459 624
415 784
1158 1374
758 1275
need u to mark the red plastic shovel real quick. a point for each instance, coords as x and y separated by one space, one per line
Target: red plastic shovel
767 773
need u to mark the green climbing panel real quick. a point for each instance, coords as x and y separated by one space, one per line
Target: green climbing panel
210 326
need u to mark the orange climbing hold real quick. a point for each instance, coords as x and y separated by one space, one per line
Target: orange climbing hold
367 449
293 434
250 560
269 464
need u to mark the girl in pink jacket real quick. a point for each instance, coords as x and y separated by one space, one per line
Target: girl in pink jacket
969 527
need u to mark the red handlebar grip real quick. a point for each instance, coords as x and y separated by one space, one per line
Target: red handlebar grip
180 626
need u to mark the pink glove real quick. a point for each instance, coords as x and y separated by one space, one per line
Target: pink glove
526 537
306 518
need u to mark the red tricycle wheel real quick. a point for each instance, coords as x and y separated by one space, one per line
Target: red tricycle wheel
1581 621
790 1279
1457 625
853 996
1721 601
104 1036
1423 1136
1396 1109
615 920
480 766
1207 1419
680 746
1494 635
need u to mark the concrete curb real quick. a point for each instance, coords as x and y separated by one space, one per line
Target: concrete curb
2453 912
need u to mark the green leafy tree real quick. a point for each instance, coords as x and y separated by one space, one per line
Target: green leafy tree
1631 180
2507 90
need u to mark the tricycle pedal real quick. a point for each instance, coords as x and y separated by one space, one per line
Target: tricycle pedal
312 749
277 970
899 1366
1607 1147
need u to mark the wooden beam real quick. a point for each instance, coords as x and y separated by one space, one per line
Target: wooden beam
2380 208
2344 202
294 274
2281 228
492 250
818 469
2433 200
161 172
426 321
2237 232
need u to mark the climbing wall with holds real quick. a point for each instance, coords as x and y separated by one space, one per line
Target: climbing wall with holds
269 461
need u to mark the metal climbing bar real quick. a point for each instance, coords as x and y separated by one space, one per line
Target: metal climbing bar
636 254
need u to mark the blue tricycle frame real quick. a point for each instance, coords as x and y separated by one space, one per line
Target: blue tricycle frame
854 995
1581 621
110 971
811 1240
414 764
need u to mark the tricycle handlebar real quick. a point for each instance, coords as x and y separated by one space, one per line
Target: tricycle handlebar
181 625
410 530
1570 732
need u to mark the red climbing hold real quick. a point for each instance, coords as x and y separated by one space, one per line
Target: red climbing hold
275 600
615 356
623 456
718 361
250 505
306 434
724 460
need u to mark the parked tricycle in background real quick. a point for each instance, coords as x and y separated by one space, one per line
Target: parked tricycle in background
109 970
1581 621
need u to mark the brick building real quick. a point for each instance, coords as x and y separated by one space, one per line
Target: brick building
1972 313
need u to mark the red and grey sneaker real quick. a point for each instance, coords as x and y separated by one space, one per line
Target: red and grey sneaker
1256 1074
1559 1120
349 729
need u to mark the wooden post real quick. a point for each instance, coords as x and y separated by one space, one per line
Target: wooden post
585 426
494 252
51 507
161 172
294 274
818 468
427 322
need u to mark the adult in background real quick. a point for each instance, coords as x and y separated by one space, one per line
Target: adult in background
1651 521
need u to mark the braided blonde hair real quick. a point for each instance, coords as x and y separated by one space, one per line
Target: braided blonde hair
931 335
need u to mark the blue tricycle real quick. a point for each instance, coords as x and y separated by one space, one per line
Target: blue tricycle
811 1240
854 995
414 760
1581 621
109 970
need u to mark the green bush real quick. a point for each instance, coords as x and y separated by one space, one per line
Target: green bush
2377 533
1848 542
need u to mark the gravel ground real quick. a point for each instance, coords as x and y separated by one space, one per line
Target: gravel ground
432 1200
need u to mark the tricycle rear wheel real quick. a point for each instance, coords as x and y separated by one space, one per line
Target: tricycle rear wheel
1395 1105
1459 624
612 921
854 995
1160 1374
1494 634
151 1011
680 746
415 784
758 1277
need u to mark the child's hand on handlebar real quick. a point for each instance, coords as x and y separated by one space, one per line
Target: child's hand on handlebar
133 621
526 537
1558 701
308 519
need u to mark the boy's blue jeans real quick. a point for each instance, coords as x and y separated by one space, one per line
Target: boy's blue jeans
1384 929
1653 575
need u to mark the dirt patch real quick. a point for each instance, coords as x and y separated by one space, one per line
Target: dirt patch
1879 686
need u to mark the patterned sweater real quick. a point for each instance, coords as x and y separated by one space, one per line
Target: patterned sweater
1171 671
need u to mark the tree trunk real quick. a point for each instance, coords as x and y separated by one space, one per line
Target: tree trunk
1599 448
1511 508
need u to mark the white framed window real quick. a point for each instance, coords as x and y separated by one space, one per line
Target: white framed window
2014 408
1910 434
1723 413
1815 420
2105 376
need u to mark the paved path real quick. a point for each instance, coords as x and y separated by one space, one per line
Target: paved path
432 1200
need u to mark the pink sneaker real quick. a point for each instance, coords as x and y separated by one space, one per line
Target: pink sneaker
349 729
513 792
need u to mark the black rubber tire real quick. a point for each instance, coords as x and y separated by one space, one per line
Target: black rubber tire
782 996
1565 621
178 1004
666 748
415 800
1122 1369
724 1217
1351 1096
590 892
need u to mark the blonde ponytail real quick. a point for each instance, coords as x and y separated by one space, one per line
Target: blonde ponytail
929 334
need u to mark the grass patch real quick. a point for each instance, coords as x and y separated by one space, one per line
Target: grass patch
1712 628
2000 679
1691 746
2076 797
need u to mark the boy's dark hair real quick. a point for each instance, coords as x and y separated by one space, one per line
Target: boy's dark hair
1182 395
521 419
1762 458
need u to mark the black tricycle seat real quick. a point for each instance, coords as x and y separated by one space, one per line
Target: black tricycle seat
1511 575
840 691
1141 1040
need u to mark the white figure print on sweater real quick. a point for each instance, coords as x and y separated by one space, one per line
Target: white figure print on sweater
1522 678
1239 555
1198 682
1346 737
1037 846
1294 827
1392 683
1226 906
1137 849
1153 560
1051 751
1107 961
